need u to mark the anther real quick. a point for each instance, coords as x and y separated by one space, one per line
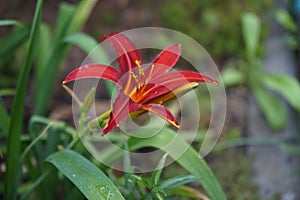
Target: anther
134 76
141 71
137 63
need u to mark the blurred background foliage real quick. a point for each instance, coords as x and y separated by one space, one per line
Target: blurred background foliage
199 19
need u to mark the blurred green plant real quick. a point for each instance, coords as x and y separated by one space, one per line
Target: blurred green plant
50 49
285 19
250 72
214 24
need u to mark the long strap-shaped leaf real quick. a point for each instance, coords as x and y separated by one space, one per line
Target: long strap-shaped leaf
190 159
16 124
70 21
90 180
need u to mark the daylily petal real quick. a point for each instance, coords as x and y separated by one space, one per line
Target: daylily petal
172 80
126 51
165 60
183 75
93 71
120 110
161 111
174 93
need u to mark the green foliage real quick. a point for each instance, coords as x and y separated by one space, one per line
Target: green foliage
205 21
251 26
70 20
272 108
286 20
8 53
250 72
153 187
235 175
90 180
190 159
12 174
4 120
39 45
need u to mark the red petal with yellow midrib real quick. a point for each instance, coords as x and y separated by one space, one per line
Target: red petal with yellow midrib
172 80
93 71
161 111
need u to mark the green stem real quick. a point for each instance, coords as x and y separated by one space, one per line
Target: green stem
100 120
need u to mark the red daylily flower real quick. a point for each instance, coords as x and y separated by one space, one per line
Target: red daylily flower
140 90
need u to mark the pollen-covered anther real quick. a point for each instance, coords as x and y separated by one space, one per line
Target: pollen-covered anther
134 77
137 63
141 71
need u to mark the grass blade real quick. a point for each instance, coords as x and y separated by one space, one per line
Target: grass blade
90 180
16 124
10 22
10 43
4 120
156 174
70 20
177 181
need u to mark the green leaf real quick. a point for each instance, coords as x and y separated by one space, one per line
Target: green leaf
10 22
4 120
36 184
45 46
251 33
88 101
271 107
10 43
177 181
89 45
16 123
81 15
285 85
5 92
156 174
189 192
127 162
84 41
48 72
190 159
71 19
286 20
90 180
232 76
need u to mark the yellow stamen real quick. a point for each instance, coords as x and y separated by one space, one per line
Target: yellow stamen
137 63
141 75
141 71
135 77
151 71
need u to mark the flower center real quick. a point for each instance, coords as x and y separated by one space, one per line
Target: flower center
141 82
